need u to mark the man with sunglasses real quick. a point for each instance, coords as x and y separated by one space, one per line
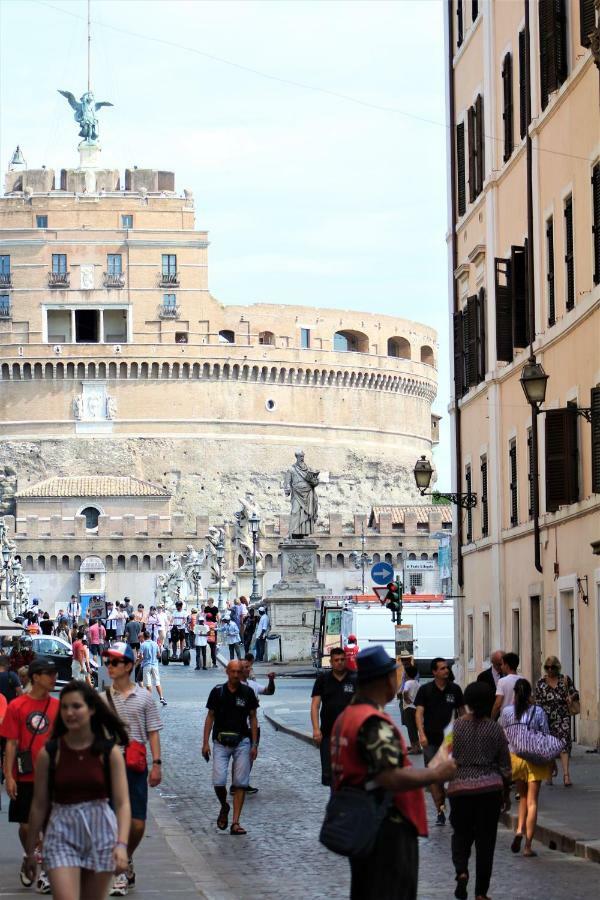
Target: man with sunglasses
136 708
26 726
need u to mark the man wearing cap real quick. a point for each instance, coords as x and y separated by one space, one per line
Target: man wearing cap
178 625
351 651
73 610
27 726
368 751
136 708
201 631
261 633
231 635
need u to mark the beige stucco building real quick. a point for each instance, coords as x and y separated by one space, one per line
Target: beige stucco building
524 276
116 359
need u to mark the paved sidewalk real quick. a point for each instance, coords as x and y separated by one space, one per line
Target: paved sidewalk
568 819
160 870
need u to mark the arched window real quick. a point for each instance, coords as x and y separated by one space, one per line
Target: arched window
399 347
268 561
132 565
108 563
145 563
65 563
120 563
266 337
412 555
427 355
226 336
41 563
328 561
340 560
376 558
424 556
91 517
354 341
388 557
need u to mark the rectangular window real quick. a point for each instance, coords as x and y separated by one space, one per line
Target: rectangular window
86 326
485 521
41 221
550 271
115 326
569 255
470 642
469 344
4 265
595 423
523 87
469 489
181 337
513 485
516 631
507 111
562 458
587 21
58 326
59 263
126 221
460 169
553 47
504 323
519 295
459 23
596 220
169 301
486 636
4 306
476 148
305 338
474 9
530 474
114 264
169 264
415 579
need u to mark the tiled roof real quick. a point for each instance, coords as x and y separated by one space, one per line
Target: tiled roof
422 513
93 486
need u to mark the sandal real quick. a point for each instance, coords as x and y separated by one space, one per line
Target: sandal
567 781
236 828
528 852
223 819
516 843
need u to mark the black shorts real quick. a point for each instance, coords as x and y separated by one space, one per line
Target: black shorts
137 782
18 810
177 634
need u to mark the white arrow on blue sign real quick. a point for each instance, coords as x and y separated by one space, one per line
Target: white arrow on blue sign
382 573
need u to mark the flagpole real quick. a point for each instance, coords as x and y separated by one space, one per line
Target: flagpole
89 45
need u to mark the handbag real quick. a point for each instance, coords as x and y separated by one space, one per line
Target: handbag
573 705
352 820
24 758
135 751
533 746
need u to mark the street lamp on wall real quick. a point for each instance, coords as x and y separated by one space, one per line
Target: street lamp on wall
423 472
533 381
220 553
254 522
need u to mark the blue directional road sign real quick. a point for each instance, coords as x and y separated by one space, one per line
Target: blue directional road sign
382 573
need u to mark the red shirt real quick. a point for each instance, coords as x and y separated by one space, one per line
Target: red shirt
26 717
78 651
97 633
3 705
351 657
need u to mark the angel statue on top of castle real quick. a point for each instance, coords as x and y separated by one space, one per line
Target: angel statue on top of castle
85 114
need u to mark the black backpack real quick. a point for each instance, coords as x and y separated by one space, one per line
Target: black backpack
52 750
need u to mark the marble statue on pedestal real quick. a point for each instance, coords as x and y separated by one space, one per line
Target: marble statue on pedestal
300 485
242 535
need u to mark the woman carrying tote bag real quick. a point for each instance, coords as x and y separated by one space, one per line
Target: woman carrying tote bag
520 720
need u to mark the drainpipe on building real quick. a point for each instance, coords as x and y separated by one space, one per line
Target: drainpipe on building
531 295
457 431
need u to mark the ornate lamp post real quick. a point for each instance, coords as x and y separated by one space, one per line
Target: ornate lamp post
533 381
423 472
220 552
362 560
254 522
7 552
6 555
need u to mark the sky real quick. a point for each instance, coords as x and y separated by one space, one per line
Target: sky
312 135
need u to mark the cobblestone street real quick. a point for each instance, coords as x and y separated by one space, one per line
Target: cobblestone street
281 856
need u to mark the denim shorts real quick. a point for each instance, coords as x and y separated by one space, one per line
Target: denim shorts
240 776
137 783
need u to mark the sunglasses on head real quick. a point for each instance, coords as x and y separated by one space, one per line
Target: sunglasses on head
114 662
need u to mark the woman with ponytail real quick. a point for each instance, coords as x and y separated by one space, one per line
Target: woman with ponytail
78 774
527 776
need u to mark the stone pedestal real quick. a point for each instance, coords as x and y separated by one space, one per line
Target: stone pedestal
292 600
243 583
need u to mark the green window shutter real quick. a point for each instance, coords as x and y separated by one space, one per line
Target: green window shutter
457 321
460 169
459 23
481 318
472 342
523 86
503 300
480 145
520 311
471 145
595 406
562 458
507 111
587 21
548 80
596 220
569 254
550 271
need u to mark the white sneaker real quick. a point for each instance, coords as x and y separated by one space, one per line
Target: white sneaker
120 887
43 884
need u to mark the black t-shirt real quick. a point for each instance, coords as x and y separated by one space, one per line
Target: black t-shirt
335 696
231 708
46 626
9 684
213 611
439 707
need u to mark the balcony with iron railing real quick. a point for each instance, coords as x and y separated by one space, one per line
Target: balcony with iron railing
114 280
5 310
59 279
5 279
168 311
169 279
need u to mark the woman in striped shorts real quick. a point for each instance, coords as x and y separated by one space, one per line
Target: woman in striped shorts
77 773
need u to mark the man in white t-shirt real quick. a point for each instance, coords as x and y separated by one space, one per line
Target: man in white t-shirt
506 685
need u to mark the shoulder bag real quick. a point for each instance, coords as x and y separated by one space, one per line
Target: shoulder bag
25 757
533 746
135 751
573 704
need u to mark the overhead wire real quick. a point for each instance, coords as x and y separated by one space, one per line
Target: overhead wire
349 98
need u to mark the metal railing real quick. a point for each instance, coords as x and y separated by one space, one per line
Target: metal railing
59 279
114 280
169 279
168 312
5 279
5 311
